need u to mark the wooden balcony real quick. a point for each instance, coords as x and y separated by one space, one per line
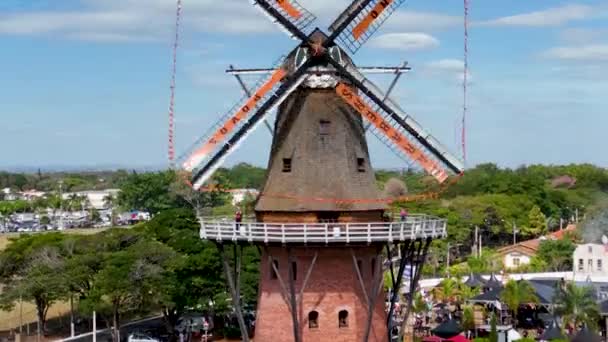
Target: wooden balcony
414 227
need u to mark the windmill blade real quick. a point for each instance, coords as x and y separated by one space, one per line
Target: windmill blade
204 173
289 15
231 120
361 20
395 127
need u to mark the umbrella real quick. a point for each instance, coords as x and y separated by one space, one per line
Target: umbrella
458 338
586 335
553 333
447 329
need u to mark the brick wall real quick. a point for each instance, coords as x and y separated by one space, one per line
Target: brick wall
333 286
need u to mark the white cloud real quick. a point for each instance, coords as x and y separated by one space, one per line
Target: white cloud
550 17
405 41
452 65
129 20
422 21
582 35
453 68
585 53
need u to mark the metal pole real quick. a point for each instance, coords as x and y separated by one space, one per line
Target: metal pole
21 315
72 315
94 326
61 205
514 234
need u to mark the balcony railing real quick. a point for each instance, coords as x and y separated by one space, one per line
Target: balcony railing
414 227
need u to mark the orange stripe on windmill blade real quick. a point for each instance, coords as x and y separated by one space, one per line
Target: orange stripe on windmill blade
289 8
394 135
201 153
374 14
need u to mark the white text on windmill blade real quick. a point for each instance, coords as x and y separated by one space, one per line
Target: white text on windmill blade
207 174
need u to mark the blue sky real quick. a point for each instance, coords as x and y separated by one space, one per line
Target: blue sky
85 82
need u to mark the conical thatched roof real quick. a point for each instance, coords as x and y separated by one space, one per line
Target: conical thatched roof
586 335
553 333
493 283
323 140
475 280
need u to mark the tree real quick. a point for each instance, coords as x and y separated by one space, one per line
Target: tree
148 192
517 293
537 223
395 188
468 318
132 278
493 337
576 304
196 277
447 291
556 254
95 216
31 269
200 199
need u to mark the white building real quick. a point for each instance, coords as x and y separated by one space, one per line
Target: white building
591 259
238 195
97 198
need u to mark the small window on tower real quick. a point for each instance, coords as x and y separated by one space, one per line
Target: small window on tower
324 127
286 164
343 319
313 320
361 164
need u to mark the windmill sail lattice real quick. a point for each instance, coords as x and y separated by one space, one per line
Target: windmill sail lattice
232 120
289 15
400 125
366 23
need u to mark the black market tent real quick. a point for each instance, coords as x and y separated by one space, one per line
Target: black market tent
604 308
488 297
553 333
545 293
586 335
493 283
447 329
475 280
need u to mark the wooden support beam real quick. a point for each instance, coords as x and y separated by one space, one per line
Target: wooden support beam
284 291
371 302
234 292
307 277
419 257
292 298
361 282
396 284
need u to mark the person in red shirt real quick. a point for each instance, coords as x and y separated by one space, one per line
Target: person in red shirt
238 217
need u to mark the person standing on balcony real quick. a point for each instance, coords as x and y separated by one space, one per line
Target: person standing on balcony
238 218
403 214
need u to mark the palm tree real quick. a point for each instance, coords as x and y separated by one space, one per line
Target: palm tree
447 291
517 293
576 304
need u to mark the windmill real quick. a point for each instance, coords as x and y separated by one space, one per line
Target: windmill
320 227
323 54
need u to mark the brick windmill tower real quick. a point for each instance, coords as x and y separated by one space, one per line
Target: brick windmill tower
320 227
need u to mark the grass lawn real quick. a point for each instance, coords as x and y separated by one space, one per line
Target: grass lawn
10 319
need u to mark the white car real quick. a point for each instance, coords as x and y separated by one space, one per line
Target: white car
139 337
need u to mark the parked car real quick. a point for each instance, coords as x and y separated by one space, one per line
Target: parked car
140 337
